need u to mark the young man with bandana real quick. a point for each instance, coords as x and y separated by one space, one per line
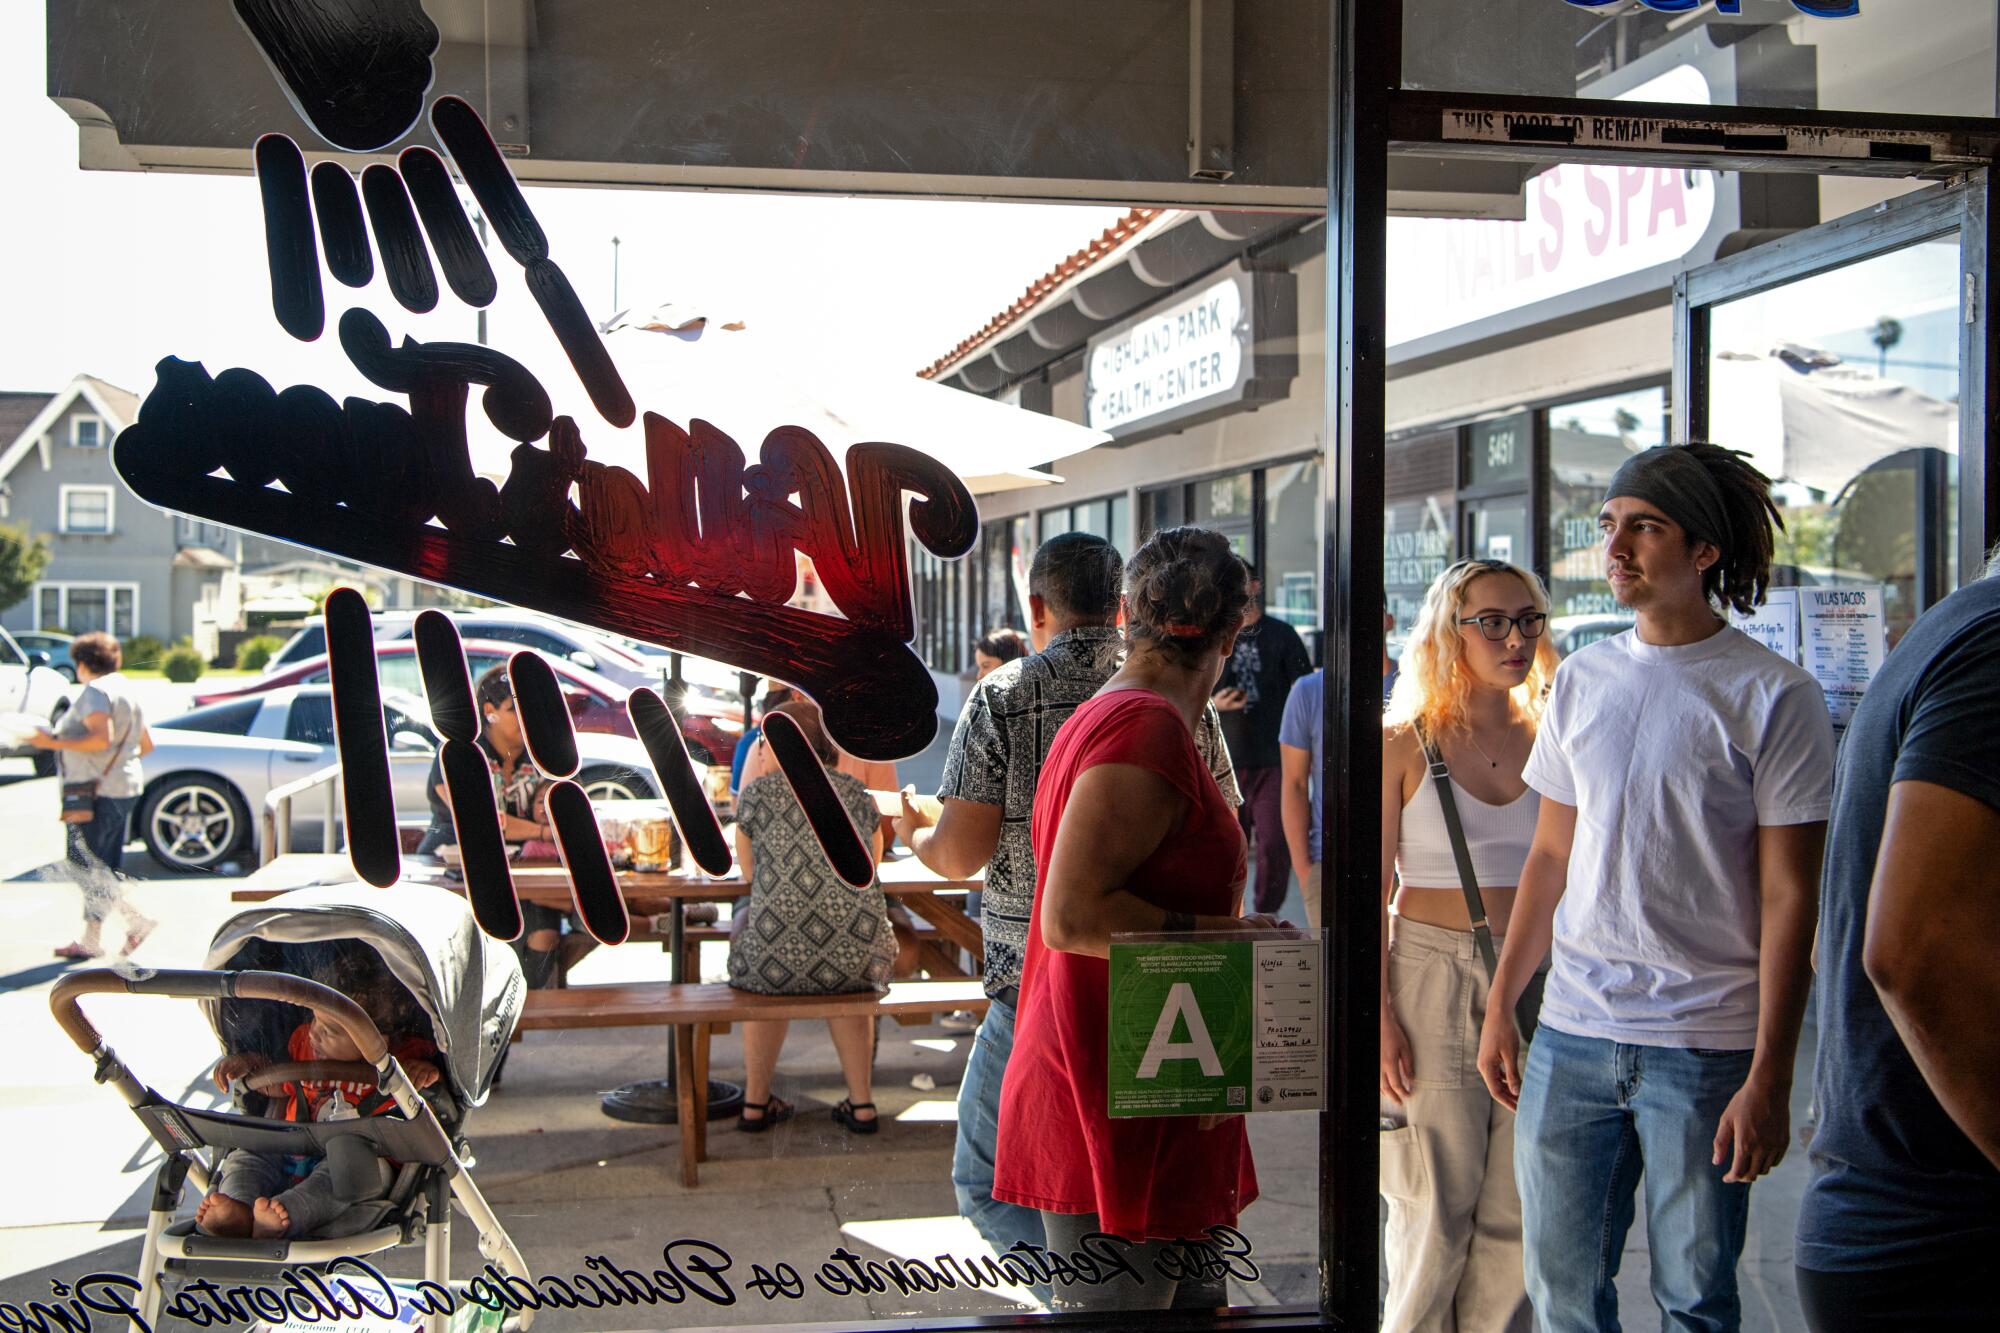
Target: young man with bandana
1686 775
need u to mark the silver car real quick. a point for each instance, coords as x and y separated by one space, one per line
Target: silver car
211 769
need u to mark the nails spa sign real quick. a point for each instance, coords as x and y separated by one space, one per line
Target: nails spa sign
1823 9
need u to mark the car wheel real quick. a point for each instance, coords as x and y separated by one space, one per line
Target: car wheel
609 783
193 823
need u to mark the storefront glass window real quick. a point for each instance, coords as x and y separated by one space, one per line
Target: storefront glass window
1228 505
1419 531
1904 56
1292 545
1844 387
1497 451
1588 442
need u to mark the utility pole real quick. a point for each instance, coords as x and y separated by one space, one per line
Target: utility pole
614 276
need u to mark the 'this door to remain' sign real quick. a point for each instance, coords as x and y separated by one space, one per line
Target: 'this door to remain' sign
1215 1024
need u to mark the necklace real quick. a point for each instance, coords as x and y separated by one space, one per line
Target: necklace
1495 763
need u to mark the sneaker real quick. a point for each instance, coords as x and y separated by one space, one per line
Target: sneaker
959 1020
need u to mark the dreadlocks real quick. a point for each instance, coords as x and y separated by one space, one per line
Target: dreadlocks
1717 497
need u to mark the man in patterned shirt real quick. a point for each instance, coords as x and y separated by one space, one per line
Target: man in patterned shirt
988 794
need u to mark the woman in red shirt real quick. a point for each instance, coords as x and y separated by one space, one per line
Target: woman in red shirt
1131 834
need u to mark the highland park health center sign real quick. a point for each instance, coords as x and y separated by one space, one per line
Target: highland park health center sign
1229 343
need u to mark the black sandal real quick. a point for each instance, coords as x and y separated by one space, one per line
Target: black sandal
843 1115
776 1112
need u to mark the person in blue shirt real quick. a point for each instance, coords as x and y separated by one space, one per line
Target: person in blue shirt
773 696
1300 740
1903 1213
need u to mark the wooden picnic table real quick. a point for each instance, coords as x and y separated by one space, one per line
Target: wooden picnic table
647 894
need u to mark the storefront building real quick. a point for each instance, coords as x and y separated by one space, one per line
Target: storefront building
1402 280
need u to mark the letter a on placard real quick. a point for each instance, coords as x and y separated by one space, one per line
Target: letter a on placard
1180 1004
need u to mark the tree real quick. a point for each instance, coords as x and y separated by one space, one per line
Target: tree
23 557
1888 332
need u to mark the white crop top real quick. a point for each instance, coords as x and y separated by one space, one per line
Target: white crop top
1498 836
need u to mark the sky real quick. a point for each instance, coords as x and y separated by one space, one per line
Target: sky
107 272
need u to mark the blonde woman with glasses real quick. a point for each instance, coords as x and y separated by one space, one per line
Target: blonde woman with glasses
1471 684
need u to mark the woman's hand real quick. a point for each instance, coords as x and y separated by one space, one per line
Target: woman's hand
43 740
1500 1057
1399 1064
237 1064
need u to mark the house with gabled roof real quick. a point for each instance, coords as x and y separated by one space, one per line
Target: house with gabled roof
116 563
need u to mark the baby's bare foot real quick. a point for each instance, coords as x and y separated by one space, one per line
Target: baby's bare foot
220 1215
270 1221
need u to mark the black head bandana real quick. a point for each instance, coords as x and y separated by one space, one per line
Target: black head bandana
1673 480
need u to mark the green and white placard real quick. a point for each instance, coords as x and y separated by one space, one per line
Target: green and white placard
1215 1024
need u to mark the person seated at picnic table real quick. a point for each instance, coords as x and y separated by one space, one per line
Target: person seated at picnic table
872 774
806 931
517 789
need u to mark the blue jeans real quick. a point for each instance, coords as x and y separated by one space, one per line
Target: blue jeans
979 1129
1594 1115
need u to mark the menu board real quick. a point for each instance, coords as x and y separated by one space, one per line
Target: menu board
1775 624
1843 640
1216 1024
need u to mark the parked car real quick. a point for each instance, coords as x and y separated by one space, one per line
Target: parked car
310 639
211 769
1574 632
596 704
51 645
29 685
553 638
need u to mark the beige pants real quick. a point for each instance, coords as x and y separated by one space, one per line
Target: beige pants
1454 1240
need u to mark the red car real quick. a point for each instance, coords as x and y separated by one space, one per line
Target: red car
597 704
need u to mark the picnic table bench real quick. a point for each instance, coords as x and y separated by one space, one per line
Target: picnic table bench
698 1011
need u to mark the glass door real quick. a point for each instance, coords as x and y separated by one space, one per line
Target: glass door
1835 357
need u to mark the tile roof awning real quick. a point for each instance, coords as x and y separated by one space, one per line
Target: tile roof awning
1138 261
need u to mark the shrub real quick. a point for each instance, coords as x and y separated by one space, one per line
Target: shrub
254 654
182 665
143 652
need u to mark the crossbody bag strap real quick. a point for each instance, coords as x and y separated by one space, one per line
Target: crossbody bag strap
1468 879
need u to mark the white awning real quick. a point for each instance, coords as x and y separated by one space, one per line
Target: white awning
683 365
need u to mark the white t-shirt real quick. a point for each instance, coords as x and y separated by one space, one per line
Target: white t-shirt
1673 757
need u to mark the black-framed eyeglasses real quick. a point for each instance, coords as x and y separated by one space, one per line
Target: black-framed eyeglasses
1496 626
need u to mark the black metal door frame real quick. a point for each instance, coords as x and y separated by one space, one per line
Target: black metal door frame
1371 116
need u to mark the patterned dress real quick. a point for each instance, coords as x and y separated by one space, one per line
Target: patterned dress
804 930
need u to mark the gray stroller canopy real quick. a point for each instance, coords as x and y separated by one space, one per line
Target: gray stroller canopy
468 984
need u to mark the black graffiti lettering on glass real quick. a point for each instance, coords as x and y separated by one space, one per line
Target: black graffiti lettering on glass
544 714
447 679
295 289
482 847
342 234
356 71
463 134
660 733
405 262
458 251
845 849
372 842
593 885
697 557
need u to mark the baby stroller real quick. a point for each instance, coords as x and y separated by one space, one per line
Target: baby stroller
468 986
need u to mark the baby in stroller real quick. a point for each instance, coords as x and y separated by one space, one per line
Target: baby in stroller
265 1194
